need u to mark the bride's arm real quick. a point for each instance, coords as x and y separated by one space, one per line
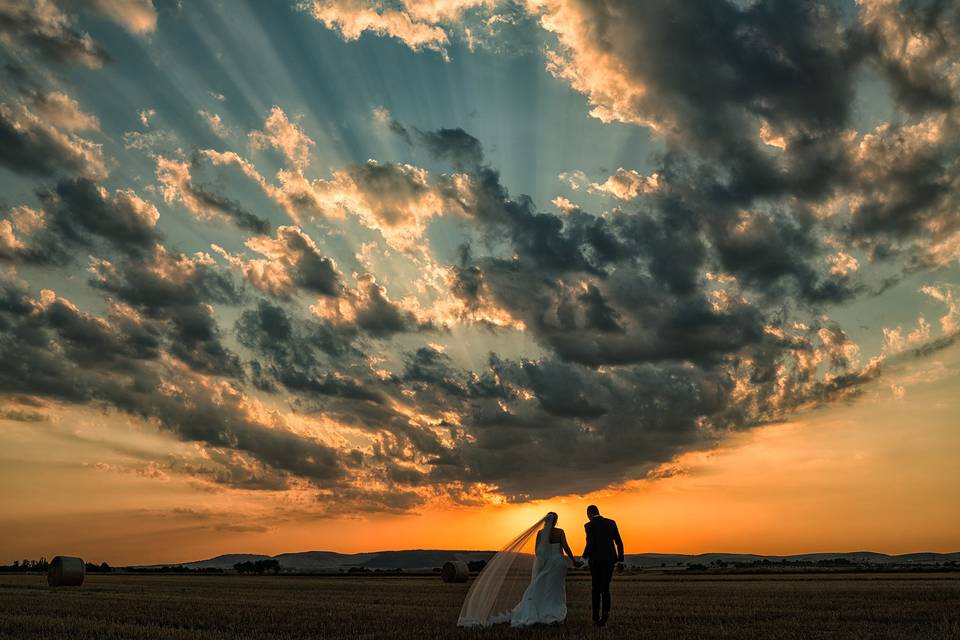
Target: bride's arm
565 546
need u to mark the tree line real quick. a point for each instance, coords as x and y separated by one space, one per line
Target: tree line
43 565
259 567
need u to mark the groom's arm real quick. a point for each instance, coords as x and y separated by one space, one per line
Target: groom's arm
618 541
586 550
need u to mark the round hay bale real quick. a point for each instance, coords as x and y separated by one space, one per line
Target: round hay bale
455 571
66 571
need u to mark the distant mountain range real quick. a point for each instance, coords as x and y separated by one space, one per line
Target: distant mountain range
855 557
426 559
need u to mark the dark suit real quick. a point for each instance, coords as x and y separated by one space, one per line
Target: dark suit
604 550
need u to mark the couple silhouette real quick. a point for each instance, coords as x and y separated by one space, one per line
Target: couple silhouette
526 589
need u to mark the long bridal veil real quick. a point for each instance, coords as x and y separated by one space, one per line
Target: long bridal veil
501 584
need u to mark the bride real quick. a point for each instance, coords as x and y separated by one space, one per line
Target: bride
521 587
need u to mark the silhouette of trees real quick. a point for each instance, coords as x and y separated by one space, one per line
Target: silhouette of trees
24 566
258 567
42 566
177 568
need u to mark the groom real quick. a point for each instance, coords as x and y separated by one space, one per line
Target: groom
602 536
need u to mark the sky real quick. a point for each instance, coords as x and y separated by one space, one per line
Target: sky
356 275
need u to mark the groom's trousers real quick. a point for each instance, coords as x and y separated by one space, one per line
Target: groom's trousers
600 573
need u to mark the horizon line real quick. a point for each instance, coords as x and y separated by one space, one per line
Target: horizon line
642 553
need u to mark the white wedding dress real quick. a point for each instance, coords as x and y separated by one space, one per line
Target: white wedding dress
545 600
523 584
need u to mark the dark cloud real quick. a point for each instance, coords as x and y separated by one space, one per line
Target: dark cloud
33 147
918 76
379 316
165 279
231 208
543 239
765 248
432 374
303 357
324 367
176 291
563 391
455 146
43 28
80 208
313 272
710 68
556 427
626 318
53 350
209 199
178 184
76 213
231 468
906 204
293 262
196 340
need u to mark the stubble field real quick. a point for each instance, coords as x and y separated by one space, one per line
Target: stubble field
802 607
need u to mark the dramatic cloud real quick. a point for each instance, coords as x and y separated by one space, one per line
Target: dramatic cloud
626 184
367 307
418 24
32 144
396 199
60 110
284 136
177 291
730 64
42 27
116 363
78 213
918 46
456 146
906 192
80 206
292 261
178 185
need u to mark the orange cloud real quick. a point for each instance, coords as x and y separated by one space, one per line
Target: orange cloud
285 136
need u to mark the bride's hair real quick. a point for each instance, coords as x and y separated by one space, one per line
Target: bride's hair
551 518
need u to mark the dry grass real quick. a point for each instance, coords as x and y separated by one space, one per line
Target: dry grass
212 607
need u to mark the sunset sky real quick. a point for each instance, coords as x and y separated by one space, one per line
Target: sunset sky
356 275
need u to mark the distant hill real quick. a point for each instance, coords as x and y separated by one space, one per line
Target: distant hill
414 559
220 562
856 557
426 559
